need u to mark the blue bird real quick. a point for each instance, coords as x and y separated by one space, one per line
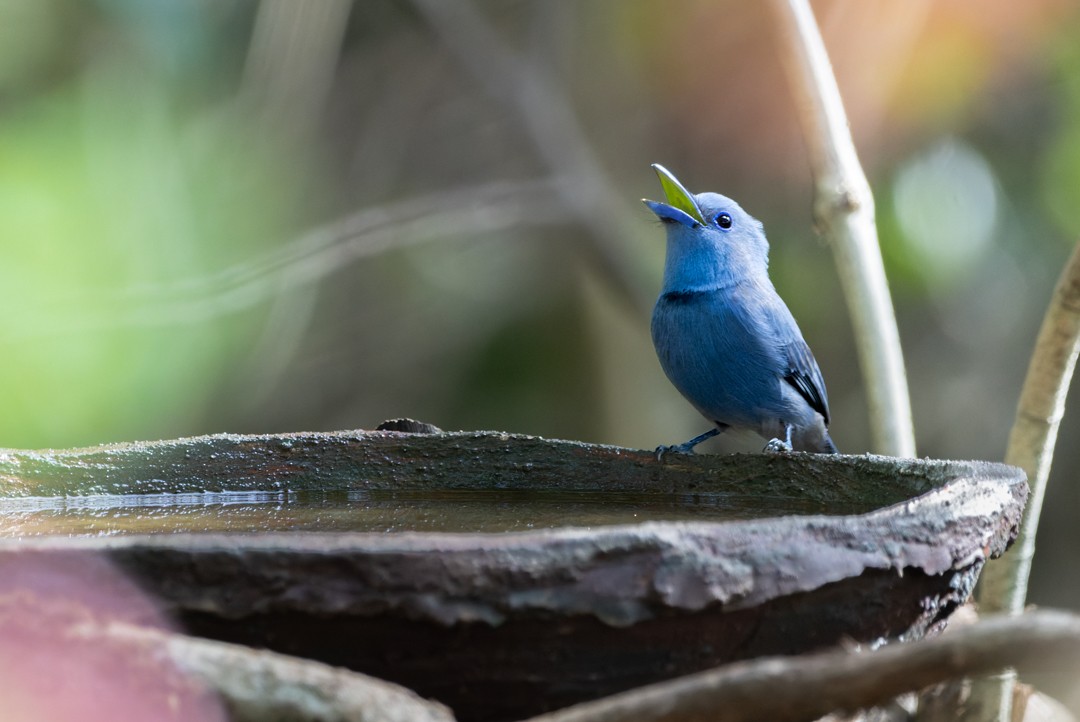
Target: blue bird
724 337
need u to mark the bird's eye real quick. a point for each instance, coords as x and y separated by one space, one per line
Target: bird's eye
724 221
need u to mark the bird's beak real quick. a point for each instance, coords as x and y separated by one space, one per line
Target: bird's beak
680 205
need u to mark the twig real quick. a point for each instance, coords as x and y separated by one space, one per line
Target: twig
807 687
549 120
844 210
320 252
1003 587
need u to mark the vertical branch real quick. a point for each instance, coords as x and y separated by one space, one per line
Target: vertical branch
292 58
844 211
289 71
553 128
1003 586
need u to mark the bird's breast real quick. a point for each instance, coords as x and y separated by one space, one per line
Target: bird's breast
712 351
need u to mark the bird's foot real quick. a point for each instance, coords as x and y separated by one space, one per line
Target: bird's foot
662 451
777 446
687 447
781 446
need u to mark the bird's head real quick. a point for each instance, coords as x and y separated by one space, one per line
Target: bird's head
711 241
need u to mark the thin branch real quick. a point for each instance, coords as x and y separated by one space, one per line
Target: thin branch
1004 583
327 248
549 120
790 689
1034 433
844 210
315 255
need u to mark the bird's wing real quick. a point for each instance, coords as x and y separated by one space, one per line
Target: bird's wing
804 374
802 370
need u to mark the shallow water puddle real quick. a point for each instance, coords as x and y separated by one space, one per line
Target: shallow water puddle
370 511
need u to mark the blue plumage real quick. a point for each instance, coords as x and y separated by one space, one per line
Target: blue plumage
724 337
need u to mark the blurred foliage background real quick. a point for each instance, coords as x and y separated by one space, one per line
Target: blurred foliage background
231 215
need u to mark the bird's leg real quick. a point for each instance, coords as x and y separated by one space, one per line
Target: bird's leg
777 446
688 446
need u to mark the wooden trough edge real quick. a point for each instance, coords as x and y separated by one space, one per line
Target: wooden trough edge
359 459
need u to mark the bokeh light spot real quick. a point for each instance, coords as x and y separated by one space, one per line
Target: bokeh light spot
946 203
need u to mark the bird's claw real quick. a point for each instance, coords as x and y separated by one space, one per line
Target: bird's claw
662 450
777 446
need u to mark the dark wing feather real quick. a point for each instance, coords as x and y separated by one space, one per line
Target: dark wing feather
804 374
801 370
771 327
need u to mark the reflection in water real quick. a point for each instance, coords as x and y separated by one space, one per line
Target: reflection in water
372 511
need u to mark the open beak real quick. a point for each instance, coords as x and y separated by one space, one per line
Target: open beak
680 205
